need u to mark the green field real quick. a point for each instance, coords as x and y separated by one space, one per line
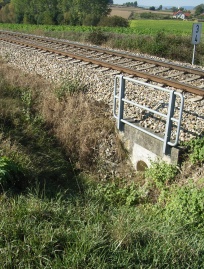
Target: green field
144 27
175 27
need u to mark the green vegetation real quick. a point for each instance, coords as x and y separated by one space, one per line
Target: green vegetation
72 12
77 12
196 149
96 37
130 4
199 9
55 210
170 27
10 174
153 16
161 173
113 21
137 27
83 233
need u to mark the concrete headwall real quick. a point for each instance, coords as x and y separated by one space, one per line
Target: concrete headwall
144 148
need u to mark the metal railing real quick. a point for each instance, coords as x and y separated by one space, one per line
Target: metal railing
120 100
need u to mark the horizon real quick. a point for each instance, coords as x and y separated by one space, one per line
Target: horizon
169 3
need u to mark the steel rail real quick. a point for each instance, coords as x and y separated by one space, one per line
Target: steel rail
134 58
115 53
150 77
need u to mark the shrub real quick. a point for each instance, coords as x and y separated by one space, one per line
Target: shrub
91 20
11 175
69 88
161 173
114 21
197 150
148 15
185 206
96 37
120 193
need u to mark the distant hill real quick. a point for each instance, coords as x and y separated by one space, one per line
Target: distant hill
185 7
168 7
164 7
126 12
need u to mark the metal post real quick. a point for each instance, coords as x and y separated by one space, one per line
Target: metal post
169 121
121 103
115 97
193 54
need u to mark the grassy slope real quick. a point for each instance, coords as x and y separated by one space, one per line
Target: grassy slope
61 219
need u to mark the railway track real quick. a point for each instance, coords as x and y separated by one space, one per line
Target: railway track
164 73
95 68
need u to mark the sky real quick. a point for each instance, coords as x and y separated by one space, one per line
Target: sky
172 3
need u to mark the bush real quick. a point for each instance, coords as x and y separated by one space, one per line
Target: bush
120 193
148 15
11 175
197 150
96 37
91 20
70 88
185 206
161 173
114 21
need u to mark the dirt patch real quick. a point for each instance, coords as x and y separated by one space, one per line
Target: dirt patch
122 13
125 12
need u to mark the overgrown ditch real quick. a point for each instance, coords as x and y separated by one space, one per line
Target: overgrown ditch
68 197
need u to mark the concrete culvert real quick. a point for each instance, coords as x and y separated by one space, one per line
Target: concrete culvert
141 166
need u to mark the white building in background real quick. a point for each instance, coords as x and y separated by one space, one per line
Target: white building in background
181 15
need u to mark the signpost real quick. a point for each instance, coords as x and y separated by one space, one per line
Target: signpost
196 34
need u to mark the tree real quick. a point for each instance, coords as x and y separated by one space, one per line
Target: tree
160 7
3 3
199 9
174 9
152 8
84 8
73 12
7 13
131 4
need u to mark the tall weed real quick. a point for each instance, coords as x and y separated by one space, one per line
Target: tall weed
11 175
196 148
161 173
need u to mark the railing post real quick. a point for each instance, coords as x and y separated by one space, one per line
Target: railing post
115 97
170 114
121 103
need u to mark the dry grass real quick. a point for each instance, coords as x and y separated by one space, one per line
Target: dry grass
20 79
84 131
80 125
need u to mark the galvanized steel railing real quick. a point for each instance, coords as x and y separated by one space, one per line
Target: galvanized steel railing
120 98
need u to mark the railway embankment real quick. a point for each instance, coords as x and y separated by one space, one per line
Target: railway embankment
100 83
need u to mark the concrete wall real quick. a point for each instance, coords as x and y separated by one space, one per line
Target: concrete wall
144 148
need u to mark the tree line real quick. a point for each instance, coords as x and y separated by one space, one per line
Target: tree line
54 12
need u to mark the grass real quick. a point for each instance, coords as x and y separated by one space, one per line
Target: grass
138 27
61 214
82 232
171 27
